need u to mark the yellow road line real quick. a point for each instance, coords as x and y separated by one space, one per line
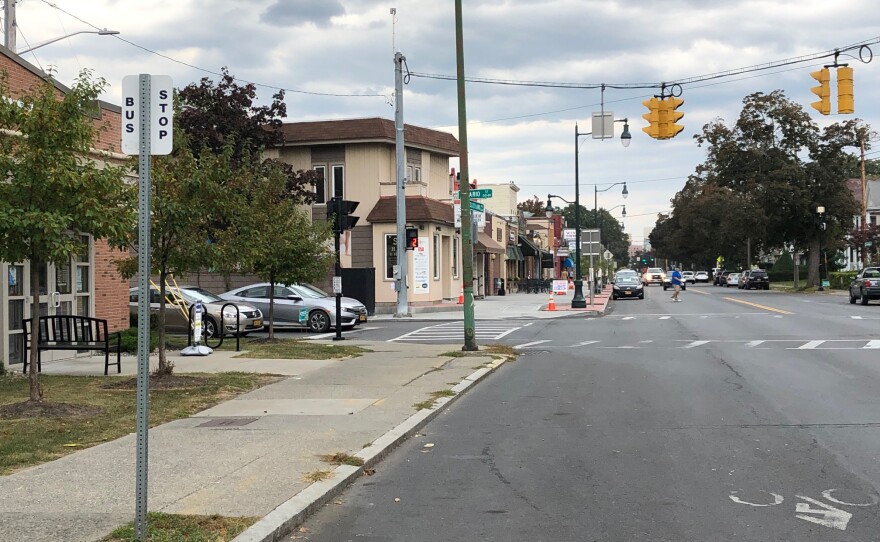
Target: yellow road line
698 292
765 307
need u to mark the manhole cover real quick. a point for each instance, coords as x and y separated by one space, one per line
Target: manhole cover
228 422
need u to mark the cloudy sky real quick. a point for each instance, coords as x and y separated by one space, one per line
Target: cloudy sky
516 133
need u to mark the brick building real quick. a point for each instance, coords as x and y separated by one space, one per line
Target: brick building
86 285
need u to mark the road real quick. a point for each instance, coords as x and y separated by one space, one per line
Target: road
733 415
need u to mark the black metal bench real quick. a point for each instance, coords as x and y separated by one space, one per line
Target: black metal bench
68 332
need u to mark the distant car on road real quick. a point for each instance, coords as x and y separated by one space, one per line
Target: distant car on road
654 275
688 276
300 305
667 281
732 279
865 286
721 277
627 285
701 276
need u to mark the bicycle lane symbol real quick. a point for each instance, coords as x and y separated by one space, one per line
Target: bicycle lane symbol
812 510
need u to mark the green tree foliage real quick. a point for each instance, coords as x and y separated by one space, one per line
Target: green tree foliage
533 205
53 191
762 180
611 234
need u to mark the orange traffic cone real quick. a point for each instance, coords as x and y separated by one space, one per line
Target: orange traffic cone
461 295
552 305
571 285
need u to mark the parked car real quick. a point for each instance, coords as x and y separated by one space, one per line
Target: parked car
688 276
701 276
865 286
654 275
624 273
732 280
627 285
251 319
300 305
721 277
755 278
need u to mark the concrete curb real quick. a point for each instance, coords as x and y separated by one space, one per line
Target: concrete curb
281 521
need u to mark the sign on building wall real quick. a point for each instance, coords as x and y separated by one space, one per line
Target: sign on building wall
421 260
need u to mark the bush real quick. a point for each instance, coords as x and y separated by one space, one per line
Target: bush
840 280
130 341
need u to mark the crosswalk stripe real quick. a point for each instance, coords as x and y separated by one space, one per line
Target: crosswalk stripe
695 344
585 343
872 345
810 345
526 345
752 344
664 318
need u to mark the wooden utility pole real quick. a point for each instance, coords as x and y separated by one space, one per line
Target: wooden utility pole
864 219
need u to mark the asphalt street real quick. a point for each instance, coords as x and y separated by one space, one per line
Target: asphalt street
733 415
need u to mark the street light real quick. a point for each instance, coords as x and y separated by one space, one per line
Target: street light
103 32
578 301
821 210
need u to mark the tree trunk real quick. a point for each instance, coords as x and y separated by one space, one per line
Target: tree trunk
272 310
160 323
813 264
36 390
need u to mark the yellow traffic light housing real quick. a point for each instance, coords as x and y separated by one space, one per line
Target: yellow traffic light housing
663 124
653 118
673 116
845 90
823 91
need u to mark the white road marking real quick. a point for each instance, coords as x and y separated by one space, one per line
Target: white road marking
628 318
810 345
752 344
526 345
830 516
872 345
647 342
664 318
585 343
777 499
526 325
620 347
695 344
828 496
333 333
856 317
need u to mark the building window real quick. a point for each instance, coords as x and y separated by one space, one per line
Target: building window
499 235
338 181
320 186
873 220
436 257
455 257
417 174
390 255
409 174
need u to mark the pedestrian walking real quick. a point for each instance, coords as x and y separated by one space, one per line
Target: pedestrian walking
676 283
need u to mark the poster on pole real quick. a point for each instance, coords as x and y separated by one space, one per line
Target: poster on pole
421 259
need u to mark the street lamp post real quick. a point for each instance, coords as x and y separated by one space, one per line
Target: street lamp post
596 191
103 32
578 301
821 210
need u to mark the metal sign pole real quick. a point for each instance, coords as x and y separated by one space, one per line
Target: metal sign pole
144 244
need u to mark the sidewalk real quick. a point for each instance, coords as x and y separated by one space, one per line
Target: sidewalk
362 406
520 305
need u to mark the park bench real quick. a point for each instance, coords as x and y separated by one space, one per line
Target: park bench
69 332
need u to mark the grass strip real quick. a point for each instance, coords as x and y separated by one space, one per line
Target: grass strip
179 528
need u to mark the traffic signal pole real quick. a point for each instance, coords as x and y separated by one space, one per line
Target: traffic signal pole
470 341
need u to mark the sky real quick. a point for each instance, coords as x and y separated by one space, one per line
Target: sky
335 58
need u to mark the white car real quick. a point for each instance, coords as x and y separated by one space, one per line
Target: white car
688 276
701 276
733 278
654 275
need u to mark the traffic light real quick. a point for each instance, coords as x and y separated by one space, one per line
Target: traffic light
673 116
653 117
823 91
412 238
845 90
339 212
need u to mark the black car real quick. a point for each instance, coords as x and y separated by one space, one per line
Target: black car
627 285
865 286
755 278
721 277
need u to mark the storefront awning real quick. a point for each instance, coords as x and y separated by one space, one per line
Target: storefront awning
487 244
514 253
527 247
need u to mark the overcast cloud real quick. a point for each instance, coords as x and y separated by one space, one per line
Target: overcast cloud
519 134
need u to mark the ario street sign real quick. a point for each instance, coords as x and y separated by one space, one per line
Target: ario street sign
481 193
477 206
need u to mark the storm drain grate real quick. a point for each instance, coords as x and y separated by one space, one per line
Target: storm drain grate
228 422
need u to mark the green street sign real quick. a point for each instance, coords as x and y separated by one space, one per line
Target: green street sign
481 193
477 206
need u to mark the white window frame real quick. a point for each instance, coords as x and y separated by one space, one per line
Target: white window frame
417 174
437 259
409 174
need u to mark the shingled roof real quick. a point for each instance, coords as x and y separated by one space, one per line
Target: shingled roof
418 209
366 130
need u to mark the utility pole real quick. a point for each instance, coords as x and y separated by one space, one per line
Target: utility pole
467 242
10 27
402 253
864 218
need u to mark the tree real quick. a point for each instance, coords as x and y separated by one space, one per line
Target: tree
611 233
280 243
533 205
53 193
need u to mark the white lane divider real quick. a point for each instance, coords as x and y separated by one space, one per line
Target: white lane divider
526 345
